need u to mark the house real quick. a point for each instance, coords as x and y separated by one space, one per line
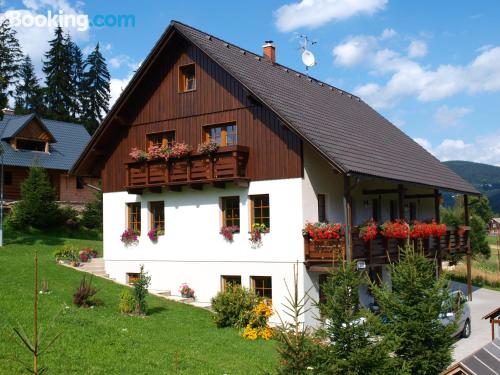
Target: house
494 226
54 145
485 361
291 150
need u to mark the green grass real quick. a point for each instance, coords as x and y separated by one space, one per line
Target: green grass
173 338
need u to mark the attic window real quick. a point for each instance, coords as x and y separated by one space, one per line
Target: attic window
31 145
187 79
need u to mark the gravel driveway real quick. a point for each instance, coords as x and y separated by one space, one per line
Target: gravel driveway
483 301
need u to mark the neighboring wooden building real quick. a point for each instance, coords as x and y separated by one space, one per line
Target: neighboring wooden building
54 145
291 150
494 226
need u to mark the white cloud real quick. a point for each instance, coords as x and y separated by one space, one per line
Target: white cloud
121 60
388 33
314 13
417 48
450 116
409 78
483 149
117 85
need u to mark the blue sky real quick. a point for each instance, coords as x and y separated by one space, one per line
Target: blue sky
431 67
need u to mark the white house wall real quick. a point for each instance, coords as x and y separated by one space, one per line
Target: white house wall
193 251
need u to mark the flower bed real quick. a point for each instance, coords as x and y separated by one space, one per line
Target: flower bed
208 147
368 231
395 229
258 325
176 150
186 291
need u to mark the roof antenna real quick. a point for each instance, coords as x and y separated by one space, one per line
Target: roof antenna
308 58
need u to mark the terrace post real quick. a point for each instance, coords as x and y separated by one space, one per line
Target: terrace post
467 245
437 217
401 194
348 217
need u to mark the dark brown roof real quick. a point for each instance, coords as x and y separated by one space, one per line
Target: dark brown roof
345 130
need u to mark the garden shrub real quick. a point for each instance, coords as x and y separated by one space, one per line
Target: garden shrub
141 291
127 302
37 207
92 213
69 216
67 252
234 306
84 295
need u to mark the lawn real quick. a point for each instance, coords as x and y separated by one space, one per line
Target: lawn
174 338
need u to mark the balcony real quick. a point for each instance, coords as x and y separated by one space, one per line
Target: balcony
324 254
227 164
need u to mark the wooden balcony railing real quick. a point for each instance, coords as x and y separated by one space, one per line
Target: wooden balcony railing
228 164
381 250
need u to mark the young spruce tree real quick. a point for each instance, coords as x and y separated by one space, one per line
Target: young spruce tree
10 57
29 96
413 308
37 207
58 71
354 338
96 89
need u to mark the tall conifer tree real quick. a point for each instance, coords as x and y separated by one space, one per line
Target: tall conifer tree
57 68
77 76
29 97
10 58
97 88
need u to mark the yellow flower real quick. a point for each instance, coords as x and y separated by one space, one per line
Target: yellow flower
266 333
250 333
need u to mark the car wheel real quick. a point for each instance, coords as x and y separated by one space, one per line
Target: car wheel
467 329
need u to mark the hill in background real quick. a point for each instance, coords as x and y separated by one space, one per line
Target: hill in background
485 177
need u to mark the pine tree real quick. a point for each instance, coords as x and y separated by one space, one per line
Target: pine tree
10 57
77 75
29 96
37 207
96 83
57 68
413 309
356 344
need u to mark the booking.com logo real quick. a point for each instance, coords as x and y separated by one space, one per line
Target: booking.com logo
81 22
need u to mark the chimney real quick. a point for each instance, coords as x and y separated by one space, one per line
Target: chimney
269 51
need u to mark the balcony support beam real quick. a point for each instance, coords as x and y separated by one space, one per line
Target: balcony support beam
437 217
468 249
348 217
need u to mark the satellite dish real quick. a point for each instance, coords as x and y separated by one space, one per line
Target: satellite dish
308 58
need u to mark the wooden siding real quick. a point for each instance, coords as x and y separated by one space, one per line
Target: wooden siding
34 130
157 105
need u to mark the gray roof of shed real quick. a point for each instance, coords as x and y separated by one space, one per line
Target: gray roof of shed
71 140
485 361
346 130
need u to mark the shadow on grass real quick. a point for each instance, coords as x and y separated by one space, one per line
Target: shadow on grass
49 237
156 310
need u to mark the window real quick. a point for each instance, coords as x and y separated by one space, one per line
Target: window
132 277
79 182
230 211
230 280
187 80
157 215
413 211
393 210
134 216
223 135
30 145
260 210
376 209
7 178
262 286
161 139
322 208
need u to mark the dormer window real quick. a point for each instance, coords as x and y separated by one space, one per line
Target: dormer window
32 145
187 79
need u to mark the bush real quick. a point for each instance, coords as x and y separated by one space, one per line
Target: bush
84 295
141 291
37 207
233 307
92 213
69 216
127 302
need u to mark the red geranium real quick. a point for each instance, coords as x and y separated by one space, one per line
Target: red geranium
323 231
368 231
395 229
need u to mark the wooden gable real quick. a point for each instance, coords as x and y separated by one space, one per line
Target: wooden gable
157 104
36 131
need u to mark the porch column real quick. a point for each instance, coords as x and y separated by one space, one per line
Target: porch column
401 207
348 217
437 217
469 253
